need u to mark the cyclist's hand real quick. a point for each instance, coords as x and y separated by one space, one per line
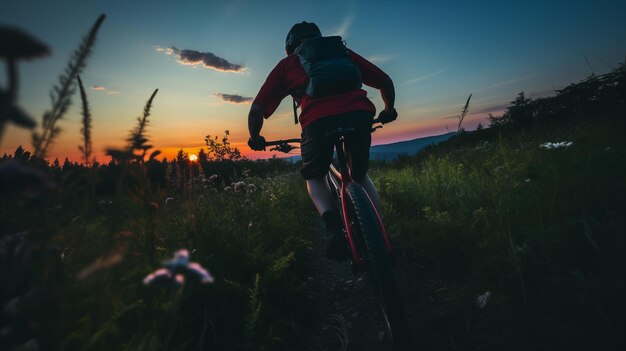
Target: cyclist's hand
257 144
387 116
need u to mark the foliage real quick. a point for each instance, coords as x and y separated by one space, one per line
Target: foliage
220 150
248 236
540 230
604 94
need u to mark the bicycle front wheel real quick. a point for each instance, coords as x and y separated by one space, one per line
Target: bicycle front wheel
365 226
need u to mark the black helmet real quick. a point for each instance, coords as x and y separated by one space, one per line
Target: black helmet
298 32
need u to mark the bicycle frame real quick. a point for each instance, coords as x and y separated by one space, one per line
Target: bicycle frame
344 177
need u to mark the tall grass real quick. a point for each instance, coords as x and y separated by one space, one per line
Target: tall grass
61 94
86 124
539 229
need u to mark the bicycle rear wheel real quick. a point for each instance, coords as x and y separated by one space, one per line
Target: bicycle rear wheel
365 226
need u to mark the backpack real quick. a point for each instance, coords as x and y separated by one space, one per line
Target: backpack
328 66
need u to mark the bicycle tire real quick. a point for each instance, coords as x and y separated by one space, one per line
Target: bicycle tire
379 265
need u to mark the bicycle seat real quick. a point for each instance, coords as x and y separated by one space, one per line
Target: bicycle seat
339 132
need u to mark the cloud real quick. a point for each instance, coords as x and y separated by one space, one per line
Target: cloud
104 90
234 99
501 84
343 28
380 58
207 59
427 76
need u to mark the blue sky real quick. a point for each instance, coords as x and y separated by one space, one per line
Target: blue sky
437 53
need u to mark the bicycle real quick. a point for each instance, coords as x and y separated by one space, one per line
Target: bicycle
370 245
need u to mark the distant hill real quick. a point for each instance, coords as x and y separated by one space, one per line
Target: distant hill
408 147
391 151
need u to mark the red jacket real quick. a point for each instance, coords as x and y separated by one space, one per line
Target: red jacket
289 76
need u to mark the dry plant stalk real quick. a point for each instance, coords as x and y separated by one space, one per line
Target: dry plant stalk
86 148
137 139
61 94
463 113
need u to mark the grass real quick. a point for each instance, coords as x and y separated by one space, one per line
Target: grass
250 243
542 230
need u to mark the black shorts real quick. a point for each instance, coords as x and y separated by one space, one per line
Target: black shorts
317 150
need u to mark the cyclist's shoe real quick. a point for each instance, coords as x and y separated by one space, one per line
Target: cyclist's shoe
337 248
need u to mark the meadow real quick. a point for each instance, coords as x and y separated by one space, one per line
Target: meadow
511 237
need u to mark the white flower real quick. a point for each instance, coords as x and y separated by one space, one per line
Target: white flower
250 225
556 145
481 300
212 177
168 200
227 188
527 180
251 188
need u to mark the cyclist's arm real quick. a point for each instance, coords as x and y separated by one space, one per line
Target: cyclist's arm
267 100
388 93
255 120
375 77
272 92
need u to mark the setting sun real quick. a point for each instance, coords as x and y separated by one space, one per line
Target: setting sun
193 158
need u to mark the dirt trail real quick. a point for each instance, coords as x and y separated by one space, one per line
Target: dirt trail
339 296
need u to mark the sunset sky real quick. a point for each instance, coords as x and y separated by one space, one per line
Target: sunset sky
437 53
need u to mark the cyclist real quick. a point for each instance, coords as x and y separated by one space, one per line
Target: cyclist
318 116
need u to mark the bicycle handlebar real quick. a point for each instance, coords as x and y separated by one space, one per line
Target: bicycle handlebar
284 145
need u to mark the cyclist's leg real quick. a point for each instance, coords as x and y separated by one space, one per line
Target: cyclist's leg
320 194
317 154
359 148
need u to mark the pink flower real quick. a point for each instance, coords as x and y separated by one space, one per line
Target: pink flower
177 269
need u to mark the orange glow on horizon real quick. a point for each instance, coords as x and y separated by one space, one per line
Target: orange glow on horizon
401 130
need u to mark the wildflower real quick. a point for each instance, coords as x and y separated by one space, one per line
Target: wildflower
251 188
228 188
557 145
168 200
177 269
213 177
527 180
240 186
250 225
481 300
